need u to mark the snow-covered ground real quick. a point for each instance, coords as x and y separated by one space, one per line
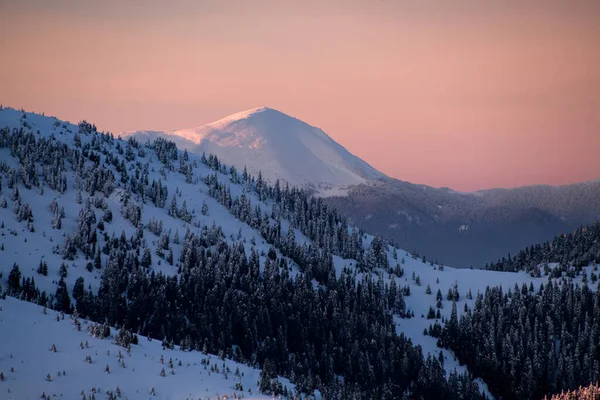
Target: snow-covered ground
26 360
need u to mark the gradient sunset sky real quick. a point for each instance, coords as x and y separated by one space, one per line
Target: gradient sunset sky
464 94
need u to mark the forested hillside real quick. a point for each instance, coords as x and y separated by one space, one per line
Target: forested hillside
571 251
526 342
183 249
210 260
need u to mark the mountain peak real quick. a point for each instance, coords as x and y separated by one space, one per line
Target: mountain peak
261 112
280 146
249 113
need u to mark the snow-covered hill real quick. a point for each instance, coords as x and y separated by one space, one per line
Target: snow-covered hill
282 147
168 243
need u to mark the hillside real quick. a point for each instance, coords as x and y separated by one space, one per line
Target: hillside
569 251
184 249
538 340
31 368
277 145
166 244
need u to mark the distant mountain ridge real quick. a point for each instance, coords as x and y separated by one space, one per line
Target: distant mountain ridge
469 229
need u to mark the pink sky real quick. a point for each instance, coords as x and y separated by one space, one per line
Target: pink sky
468 96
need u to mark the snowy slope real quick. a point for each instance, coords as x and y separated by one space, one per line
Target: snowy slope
282 147
27 336
28 247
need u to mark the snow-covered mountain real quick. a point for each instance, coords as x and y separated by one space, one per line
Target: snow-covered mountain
161 243
427 220
280 146
86 219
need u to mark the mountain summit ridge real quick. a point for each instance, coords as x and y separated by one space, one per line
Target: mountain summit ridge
246 114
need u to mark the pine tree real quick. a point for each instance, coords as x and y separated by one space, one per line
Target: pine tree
146 258
63 271
173 209
14 280
97 259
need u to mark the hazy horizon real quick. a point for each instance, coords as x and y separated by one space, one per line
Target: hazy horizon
468 96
